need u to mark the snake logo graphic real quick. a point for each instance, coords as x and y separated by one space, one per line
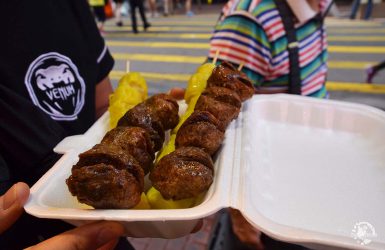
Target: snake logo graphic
55 86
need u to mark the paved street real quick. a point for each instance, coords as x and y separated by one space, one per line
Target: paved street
171 50
175 46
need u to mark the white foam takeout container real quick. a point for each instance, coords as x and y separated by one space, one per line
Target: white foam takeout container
300 169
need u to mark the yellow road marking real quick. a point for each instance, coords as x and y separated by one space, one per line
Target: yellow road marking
159 58
353 31
356 87
329 21
339 22
116 75
349 65
201 59
161 35
331 86
335 49
208 36
357 49
356 38
163 28
160 44
332 48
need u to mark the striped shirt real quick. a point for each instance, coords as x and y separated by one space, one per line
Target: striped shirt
251 32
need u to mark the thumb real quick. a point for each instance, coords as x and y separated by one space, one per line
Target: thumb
11 205
90 236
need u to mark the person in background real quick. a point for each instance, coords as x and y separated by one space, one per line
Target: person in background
98 9
118 12
152 7
356 5
167 7
138 4
280 45
372 71
189 12
54 69
92 236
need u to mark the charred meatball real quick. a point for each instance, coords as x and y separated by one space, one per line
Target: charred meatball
184 173
201 130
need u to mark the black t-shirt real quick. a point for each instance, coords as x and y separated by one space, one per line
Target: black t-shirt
51 58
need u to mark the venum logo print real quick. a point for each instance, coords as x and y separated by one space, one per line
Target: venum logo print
55 86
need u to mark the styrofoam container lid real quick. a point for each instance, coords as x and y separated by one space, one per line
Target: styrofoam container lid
300 169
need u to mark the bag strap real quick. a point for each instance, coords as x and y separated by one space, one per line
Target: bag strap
287 17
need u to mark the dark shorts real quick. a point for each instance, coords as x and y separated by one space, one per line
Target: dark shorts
118 1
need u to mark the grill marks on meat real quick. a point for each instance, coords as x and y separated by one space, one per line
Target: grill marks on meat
201 130
104 186
134 141
223 103
156 114
166 108
184 173
141 116
111 174
225 75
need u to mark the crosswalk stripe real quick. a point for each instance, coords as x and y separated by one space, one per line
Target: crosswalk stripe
331 85
349 65
332 29
356 38
201 59
184 45
161 28
357 49
160 44
116 75
208 36
160 35
354 31
329 22
159 58
206 45
356 87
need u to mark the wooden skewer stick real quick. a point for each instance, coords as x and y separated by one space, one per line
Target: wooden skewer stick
241 66
127 66
216 57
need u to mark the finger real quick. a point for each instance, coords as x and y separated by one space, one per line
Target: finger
11 205
90 236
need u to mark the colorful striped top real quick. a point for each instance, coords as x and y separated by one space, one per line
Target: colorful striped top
251 32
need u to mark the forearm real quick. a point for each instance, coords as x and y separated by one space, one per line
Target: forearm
102 93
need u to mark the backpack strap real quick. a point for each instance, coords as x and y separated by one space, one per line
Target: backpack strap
287 17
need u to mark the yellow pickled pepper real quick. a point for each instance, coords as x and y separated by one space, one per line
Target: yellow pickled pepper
131 90
195 87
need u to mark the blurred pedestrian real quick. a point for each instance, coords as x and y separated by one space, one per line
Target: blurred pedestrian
167 7
152 7
372 71
356 5
280 44
99 12
138 4
118 12
189 12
